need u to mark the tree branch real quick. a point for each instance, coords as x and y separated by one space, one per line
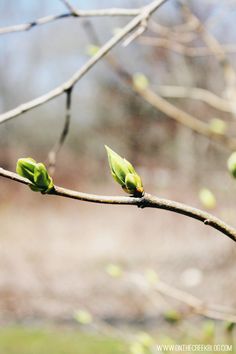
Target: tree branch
78 13
147 201
59 90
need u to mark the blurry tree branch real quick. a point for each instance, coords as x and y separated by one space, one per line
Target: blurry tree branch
144 14
185 118
180 48
217 50
147 201
195 305
181 33
166 107
197 93
171 110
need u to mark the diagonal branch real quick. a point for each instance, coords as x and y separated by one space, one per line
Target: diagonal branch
147 201
59 90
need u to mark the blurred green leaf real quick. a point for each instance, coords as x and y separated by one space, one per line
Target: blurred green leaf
207 198
114 270
92 49
140 81
83 317
218 126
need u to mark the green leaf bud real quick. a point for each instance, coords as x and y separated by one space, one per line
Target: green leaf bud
36 173
124 173
25 168
232 164
41 178
133 184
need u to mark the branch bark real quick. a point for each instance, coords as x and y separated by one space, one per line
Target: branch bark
147 201
78 13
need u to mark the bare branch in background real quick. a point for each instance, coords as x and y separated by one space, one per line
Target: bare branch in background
195 305
182 49
216 48
52 156
147 201
59 90
172 111
186 119
197 94
163 105
183 33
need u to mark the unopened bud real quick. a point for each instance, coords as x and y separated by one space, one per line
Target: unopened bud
36 173
124 173
25 168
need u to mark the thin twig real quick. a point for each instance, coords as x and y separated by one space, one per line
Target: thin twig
78 13
59 90
52 156
147 201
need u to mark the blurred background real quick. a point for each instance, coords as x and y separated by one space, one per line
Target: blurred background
85 278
